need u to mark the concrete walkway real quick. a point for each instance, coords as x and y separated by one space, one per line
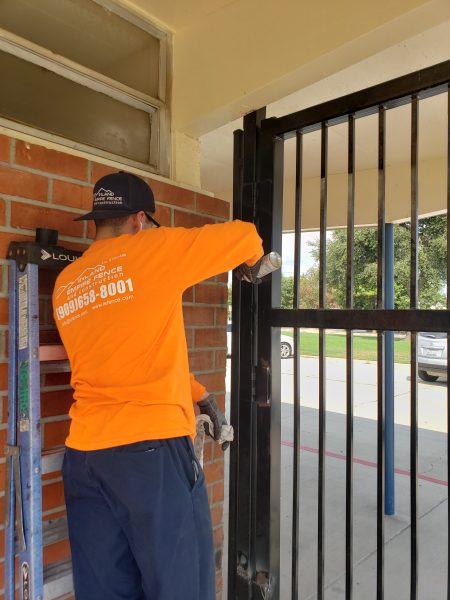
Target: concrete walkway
432 486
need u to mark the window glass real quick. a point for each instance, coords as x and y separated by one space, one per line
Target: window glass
41 99
90 35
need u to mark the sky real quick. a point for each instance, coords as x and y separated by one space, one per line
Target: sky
306 261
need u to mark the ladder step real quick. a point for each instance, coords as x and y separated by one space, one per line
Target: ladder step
53 531
55 366
52 460
49 352
58 580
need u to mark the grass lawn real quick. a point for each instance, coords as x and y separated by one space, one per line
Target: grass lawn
364 346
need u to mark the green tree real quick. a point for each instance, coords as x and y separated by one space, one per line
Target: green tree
432 264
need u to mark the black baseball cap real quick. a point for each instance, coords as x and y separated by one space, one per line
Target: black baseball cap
120 195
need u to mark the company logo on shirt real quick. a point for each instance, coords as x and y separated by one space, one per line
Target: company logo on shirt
103 197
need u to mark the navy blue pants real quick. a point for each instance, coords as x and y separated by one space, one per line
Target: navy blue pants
139 522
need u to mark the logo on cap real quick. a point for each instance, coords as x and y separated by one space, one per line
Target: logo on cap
103 197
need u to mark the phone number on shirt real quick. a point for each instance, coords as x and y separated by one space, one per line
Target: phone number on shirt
105 291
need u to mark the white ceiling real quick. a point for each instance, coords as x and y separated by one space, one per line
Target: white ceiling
427 48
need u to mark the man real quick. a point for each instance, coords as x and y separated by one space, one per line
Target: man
139 521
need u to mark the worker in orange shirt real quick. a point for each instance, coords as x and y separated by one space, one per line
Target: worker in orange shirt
138 514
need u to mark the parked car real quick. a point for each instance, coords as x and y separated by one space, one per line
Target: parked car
432 355
286 345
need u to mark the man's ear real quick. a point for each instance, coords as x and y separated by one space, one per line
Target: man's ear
135 223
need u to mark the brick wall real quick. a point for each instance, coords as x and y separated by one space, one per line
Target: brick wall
46 188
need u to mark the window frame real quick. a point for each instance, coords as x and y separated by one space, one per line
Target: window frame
157 108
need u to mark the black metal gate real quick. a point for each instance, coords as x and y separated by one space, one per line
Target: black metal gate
254 535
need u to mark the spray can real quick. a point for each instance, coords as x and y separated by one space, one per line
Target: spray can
269 263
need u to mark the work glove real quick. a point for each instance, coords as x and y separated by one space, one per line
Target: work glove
245 273
209 407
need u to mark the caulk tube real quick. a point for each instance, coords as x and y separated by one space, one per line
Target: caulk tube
269 263
266 265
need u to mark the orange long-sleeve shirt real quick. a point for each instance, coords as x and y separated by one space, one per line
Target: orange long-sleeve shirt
118 309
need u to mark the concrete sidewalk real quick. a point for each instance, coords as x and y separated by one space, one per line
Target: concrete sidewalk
432 512
432 532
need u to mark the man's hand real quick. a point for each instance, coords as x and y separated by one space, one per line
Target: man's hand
208 406
245 273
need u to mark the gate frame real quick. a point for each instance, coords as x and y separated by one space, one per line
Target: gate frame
254 526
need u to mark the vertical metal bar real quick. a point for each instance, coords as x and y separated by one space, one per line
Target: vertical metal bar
380 353
247 475
12 432
233 562
349 365
448 337
322 365
296 474
413 305
268 216
389 475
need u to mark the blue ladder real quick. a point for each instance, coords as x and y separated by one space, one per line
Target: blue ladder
25 535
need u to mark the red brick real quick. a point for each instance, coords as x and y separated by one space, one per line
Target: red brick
91 230
28 216
198 315
171 194
56 552
188 295
51 161
76 246
222 278
3 311
56 403
52 495
221 359
2 478
218 492
214 472
217 515
3 434
215 336
163 214
218 585
4 148
207 451
213 382
72 194
55 433
3 376
189 337
213 206
99 170
7 238
201 361
221 316
184 219
26 185
211 294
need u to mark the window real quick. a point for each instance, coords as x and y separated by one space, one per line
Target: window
86 73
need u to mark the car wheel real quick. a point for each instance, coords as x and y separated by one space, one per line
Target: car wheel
285 350
427 377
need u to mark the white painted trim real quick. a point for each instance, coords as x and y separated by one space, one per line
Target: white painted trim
30 52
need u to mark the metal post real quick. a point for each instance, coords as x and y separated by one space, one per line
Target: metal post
389 501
